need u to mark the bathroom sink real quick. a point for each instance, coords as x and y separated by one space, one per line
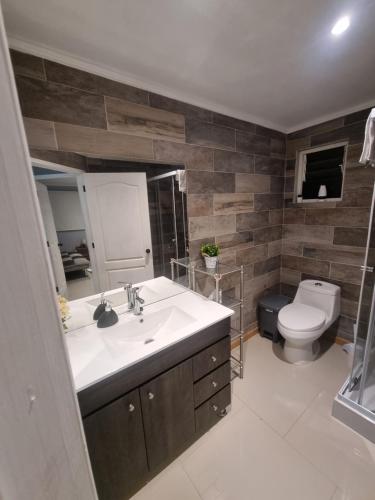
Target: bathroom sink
121 298
97 353
147 328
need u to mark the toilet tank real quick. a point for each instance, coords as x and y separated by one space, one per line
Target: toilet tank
322 295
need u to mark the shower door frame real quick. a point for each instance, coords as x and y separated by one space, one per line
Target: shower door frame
173 175
360 372
349 411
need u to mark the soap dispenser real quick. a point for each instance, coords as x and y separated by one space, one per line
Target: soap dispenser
100 309
108 317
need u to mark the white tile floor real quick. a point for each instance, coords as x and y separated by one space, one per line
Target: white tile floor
279 441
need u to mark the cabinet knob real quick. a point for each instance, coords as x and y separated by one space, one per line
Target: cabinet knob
215 408
214 384
213 359
150 395
131 407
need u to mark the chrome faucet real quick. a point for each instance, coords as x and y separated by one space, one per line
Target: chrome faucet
128 287
134 300
138 301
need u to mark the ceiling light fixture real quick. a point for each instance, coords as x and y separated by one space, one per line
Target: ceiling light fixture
341 25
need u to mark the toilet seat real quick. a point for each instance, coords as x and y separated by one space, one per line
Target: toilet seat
297 317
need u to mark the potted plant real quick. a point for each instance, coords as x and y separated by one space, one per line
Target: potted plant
210 252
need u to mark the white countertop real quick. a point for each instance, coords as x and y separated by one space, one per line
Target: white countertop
96 354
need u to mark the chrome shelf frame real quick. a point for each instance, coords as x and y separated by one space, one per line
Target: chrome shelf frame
221 270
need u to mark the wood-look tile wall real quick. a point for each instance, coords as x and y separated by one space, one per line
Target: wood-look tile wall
327 240
240 176
235 169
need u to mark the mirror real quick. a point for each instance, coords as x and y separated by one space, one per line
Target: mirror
120 222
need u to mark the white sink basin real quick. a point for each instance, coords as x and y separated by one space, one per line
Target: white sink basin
121 298
146 328
97 353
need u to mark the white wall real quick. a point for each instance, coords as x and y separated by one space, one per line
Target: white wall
71 239
67 211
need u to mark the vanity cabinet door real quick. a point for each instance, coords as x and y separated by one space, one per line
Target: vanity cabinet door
116 444
168 413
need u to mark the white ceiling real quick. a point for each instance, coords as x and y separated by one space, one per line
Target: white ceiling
270 61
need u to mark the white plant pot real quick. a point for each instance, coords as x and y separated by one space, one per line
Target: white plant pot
211 262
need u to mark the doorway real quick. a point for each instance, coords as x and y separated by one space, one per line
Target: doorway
65 229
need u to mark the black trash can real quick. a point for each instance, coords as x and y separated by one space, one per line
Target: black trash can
268 310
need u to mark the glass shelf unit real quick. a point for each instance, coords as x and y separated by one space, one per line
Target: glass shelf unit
193 268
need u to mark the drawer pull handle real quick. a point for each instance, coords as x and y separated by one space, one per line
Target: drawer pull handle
150 395
215 408
131 407
213 359
214 384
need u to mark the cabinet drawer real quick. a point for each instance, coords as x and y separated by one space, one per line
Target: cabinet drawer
210 412
212 357
211 383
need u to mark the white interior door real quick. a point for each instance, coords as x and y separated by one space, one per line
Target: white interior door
119 223
51 237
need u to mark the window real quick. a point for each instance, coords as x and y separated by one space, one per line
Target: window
320 173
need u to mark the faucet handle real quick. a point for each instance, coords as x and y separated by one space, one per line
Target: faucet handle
138 301
136 291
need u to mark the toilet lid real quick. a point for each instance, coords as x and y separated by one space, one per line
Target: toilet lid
296 316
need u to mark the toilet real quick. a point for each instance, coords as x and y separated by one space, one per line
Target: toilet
315 307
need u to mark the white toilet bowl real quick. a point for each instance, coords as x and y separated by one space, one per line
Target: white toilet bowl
301 323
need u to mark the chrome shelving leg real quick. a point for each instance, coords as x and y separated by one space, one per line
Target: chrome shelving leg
217 291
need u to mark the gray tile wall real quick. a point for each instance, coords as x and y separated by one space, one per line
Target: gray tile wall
327 240
234 168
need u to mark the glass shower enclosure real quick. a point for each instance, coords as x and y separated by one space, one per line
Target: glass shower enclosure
355 403
168 218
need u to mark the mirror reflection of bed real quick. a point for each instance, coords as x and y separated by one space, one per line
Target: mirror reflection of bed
113 222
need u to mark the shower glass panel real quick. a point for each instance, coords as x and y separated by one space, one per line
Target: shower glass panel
361 389
168 222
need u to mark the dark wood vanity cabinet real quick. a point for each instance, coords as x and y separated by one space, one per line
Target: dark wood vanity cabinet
139 420
168 413
116 444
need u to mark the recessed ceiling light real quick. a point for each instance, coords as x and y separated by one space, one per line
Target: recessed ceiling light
341 25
